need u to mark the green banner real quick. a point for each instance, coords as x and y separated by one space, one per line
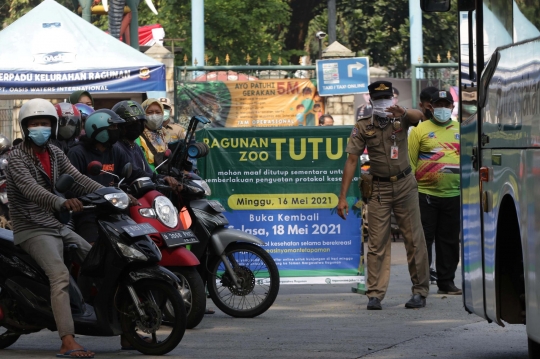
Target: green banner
282 185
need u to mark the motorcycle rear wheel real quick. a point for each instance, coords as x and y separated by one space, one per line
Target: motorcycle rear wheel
193 293
260 281
154 297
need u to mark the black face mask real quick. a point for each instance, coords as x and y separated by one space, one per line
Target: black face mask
132 132
114 135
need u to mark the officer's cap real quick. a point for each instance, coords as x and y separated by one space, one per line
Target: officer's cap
380 89
165 102
442 95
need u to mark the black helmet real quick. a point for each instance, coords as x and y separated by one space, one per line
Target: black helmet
129 110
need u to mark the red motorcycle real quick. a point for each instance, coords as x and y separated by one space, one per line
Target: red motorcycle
160 217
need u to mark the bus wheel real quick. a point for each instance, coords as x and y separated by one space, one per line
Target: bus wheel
534 349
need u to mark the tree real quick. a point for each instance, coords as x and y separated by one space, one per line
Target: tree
380 30
234 27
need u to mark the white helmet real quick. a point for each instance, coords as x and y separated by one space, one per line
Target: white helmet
5 144
38 107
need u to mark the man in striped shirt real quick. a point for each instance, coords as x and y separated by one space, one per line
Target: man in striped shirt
34 167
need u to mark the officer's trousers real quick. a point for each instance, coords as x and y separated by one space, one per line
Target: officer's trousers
401 197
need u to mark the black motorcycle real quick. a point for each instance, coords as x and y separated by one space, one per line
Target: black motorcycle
134 295
241 277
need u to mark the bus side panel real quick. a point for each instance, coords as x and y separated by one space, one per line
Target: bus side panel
506 167
531 246
472 264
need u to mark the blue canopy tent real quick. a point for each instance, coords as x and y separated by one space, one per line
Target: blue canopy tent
51 52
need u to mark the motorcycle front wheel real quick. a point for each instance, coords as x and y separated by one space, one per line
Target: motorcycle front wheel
191 289
151 334
258 276
7 338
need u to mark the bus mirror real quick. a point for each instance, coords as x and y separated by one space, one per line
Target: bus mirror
435 5
466 5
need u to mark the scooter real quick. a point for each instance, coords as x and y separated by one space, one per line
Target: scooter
4 202
241 277
158 211
135 297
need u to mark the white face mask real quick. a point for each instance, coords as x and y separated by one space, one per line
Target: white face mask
380 105
166 115
154 122
442 114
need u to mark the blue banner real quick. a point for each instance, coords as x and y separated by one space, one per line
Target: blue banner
122 80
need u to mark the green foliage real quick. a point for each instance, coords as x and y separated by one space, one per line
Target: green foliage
380 30
234 27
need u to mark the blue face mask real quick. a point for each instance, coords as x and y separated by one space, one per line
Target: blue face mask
442 114
39 135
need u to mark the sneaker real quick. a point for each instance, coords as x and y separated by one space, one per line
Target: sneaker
416 301
374 304
433 276
449 288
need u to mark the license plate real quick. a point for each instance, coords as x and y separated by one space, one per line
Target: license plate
135 230
179 238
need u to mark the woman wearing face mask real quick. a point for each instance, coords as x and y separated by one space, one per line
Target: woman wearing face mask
434 155
153 139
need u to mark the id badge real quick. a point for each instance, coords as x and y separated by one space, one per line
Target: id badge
394 152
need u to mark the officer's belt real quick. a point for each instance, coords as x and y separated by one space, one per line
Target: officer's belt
393 178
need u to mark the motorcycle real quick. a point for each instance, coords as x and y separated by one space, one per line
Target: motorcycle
5 221
135 295
241 277
158 211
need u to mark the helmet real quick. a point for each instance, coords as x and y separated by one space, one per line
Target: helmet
85 111
129 111
5 144
35 108
96 124
69 121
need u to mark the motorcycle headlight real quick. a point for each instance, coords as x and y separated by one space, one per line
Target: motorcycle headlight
132 253
119 200
204 185
166 212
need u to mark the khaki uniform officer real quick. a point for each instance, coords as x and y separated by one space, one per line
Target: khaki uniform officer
393 187
173 131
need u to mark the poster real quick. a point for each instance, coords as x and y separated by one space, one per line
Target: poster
256 103
283 187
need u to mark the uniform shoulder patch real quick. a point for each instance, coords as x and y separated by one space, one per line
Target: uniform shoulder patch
354 131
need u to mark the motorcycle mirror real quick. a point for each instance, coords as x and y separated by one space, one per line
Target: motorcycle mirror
64 183
3 164
201 119
94 168
127 170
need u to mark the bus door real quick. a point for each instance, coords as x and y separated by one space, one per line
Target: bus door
472 260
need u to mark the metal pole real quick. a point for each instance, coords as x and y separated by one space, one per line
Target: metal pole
197 32
320 49
417 47
332 21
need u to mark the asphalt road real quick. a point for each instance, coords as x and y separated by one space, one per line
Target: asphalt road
327 321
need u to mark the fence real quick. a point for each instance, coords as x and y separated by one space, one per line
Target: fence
6 118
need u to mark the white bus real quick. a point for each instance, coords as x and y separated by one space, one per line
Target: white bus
500 159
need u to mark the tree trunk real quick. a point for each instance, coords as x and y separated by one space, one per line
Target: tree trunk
303 11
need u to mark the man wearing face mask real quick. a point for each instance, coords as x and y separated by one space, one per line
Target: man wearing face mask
33 169
173 131
153 139
97 145
434 155
133 115
388 187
